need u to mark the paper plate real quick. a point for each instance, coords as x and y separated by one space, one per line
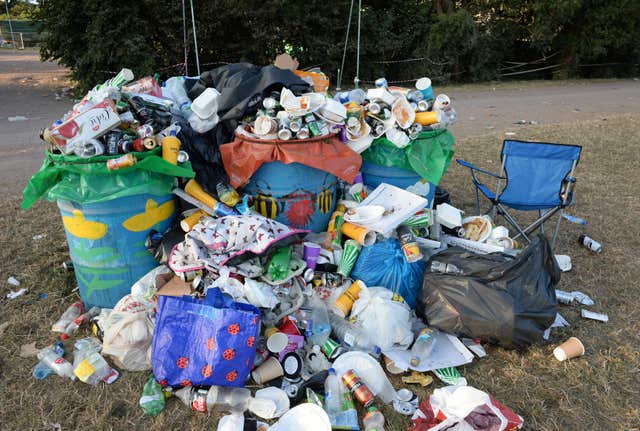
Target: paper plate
480 221
364 214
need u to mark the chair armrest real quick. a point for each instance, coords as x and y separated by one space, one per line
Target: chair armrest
475 168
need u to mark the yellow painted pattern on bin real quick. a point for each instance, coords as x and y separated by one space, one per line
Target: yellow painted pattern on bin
81 228
152 215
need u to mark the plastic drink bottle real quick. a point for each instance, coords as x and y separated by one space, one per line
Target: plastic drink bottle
41 370
373 420
67 317
77 322
217 397
94 368
351 335
332 398
50 357
422 347
152 400
320 326
174 88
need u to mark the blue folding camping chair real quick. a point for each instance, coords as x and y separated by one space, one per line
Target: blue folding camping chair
534 176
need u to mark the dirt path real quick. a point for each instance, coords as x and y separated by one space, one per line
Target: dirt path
30 87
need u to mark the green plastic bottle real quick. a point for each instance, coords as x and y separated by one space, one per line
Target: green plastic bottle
152 400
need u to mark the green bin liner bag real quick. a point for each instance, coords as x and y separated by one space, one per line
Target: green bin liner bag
85 181
429 155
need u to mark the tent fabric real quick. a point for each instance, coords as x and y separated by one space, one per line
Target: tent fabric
89 180
244 156
428 156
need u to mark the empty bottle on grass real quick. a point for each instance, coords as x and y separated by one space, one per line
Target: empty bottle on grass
152 400
73 312
422 347
42 370
51 357
220 398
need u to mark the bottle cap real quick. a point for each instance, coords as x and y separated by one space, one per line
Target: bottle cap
331 371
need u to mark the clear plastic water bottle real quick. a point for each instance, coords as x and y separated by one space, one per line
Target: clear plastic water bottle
320 326
373 420
42 370
235 400
175 89
94 368
350 334
422 347
50 357
70 314
332 396
75 324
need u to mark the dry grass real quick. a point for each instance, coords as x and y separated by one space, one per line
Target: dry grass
597 392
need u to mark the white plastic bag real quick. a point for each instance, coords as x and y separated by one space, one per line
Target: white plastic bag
128 334
252 291
385 320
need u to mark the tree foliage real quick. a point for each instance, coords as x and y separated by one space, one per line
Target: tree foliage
453 40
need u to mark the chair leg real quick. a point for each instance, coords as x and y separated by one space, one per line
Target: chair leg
477 202
557 229
513 223
542 225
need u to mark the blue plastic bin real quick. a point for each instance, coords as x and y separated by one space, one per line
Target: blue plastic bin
107 243
373 175
294 194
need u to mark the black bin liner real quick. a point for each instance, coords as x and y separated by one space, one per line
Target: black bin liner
493 297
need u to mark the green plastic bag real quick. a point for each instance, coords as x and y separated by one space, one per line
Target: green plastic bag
89 180
428 156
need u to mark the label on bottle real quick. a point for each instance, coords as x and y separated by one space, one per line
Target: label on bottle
199 401
84 370
349 339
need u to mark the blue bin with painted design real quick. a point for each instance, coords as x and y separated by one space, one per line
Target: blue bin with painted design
373 175
107 243
294 194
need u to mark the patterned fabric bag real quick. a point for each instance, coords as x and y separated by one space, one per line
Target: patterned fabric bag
204 342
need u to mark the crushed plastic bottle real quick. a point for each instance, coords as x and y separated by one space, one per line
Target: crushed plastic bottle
70 314
89 365
77 322
152 400
50 357
42 370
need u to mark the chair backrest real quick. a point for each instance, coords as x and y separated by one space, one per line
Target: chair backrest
535 172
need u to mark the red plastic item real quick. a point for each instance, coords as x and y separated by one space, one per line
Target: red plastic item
244 156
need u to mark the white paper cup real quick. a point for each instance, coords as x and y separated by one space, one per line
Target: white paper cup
572 348
277 342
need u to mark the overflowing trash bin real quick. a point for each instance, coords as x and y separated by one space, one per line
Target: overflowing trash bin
249 227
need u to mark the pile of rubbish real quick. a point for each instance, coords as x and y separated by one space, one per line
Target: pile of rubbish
229 295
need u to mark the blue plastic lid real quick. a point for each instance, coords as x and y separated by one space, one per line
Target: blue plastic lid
331 371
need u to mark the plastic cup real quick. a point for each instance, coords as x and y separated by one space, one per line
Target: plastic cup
572 348
349 256
171 149
195 190
277 342
269 370
311 253
361 234
358 192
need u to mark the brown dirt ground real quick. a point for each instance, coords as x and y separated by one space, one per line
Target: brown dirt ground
596 392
